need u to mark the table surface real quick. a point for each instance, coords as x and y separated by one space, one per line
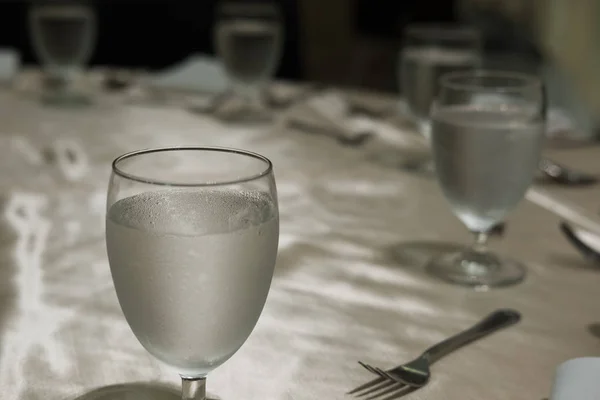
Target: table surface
341 290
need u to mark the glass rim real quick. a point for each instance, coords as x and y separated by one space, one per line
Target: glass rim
446 31
160 182
524 80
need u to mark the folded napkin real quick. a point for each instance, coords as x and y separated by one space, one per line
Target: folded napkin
198 73
326 111
330 113
568 211
283 94
577 379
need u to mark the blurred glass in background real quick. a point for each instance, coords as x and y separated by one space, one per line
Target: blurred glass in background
486 152
63 35
248 39
428 52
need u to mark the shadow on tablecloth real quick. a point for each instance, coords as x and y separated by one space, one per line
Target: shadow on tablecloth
133 391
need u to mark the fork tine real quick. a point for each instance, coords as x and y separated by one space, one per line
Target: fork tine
377 387
370 384
395 386
402 391
362 364
370 369
387 375
376 391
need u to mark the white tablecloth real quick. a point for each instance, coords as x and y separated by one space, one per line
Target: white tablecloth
339 294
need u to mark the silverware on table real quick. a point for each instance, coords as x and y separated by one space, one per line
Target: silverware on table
588 252
278 102
118 80
211 105
565 176
416 373
378 113
339 135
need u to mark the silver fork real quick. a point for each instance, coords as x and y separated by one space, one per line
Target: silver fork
416 373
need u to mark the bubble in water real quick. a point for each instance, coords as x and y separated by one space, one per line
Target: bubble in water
193 212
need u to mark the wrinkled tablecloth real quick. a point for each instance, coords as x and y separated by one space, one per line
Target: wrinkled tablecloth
345 287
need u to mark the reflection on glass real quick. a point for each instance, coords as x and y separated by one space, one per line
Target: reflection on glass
192 238
487 134
63 35
428 52
248 38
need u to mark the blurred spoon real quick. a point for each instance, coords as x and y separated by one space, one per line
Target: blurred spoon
574 238
209 105
356 139
117 80
565 176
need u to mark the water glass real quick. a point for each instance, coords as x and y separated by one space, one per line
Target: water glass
248 40
487 135
63 35
428 52
192 235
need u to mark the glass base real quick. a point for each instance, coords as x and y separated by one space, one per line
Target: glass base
417 254
424 165
66 99
133 391
410 160
245 112
424 128
248 116
478 270
232 108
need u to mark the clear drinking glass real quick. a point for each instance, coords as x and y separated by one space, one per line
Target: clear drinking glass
64 35
248 39
192 235
428 52
487 134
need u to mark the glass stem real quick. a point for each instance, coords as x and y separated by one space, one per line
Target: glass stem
193 388
65 76
251 94
480 245
255 99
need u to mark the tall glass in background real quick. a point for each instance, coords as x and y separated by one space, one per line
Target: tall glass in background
428 52
487 134
192 238
248 39
64 36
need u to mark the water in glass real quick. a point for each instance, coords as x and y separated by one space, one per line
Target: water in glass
191 236
421 68
485 157
62 34
249 49
487 134
199 263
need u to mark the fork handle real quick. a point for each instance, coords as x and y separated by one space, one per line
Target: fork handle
497 320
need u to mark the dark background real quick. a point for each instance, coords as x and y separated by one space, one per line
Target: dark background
154 34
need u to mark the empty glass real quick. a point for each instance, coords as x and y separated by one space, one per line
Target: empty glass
487 134
248 39
428 52
63 34
192 235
